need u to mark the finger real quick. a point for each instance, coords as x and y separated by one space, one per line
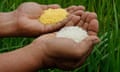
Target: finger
90 40
85 26
93 27
70 23
53 6
72 9
75 19
91 16
80 7
84 56
78 13
84 16
57 26
81 22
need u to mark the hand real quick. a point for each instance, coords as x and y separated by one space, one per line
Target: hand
28 24
24 20
64 53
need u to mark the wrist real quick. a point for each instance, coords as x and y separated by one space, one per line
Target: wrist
8 23
43 53
37 54
25 59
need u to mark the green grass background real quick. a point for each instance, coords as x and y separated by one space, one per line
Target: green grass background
105 56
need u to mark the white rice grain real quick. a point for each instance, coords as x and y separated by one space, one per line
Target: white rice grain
72 32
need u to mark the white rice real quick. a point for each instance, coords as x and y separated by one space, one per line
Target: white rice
72 32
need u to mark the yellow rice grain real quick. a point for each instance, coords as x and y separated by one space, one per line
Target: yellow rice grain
52 16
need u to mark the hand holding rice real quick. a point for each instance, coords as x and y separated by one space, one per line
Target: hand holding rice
72 32
53 16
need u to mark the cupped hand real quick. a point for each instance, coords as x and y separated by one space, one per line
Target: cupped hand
27 19
65 53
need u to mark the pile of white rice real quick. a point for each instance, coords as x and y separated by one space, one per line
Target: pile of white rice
72 32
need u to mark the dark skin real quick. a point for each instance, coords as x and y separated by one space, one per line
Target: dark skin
46 51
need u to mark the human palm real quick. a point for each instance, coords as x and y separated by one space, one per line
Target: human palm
28 23
65 53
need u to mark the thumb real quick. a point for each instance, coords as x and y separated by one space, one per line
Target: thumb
92 40
89 41
53 6
87 44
